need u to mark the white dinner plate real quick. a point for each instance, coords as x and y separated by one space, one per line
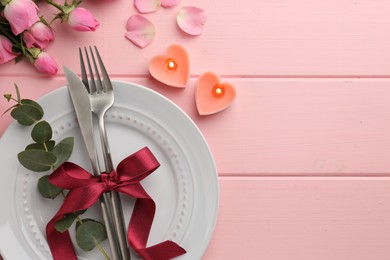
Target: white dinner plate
184 187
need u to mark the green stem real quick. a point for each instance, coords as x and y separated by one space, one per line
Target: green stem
52 167
22 46
79 220
59 7
103 252
45 146
52 20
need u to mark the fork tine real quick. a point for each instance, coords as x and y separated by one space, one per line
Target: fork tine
84 77
106 80
99 85
91 75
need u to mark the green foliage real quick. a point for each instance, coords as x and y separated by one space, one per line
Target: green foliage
29 102
42 155
65 223
41 132
89 233
8 97
63 150
46 146
45 154
46 189
26 114
37 160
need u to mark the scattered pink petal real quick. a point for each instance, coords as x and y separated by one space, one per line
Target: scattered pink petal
140 30
147 6
169 3
191 20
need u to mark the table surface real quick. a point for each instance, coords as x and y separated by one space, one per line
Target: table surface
303 152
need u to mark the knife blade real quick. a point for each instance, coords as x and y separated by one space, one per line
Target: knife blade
82 107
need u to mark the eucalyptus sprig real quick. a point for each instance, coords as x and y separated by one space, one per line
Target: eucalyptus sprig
44 154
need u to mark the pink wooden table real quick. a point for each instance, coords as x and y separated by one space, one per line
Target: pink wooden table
303 154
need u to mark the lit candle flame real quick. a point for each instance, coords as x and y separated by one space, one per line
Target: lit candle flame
171 65
218 90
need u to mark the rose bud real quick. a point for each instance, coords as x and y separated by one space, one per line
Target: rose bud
39 35
81 19
21 14
46 64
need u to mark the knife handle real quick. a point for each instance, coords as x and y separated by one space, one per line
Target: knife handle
109 225
119 224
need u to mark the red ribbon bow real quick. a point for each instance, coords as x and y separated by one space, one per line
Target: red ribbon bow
85 189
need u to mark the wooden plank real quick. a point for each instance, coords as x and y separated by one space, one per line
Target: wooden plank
282 127
259 38
302 219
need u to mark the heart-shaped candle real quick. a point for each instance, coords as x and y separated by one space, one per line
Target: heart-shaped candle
172 69
212 95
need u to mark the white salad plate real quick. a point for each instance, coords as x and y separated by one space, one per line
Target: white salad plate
184 187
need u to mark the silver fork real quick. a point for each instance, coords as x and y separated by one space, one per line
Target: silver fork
101 96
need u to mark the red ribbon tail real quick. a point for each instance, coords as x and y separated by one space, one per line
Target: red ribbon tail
139 229
60 243
162 251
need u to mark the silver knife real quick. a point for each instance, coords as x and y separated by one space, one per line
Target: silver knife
80 99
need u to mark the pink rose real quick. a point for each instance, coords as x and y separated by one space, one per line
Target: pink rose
81 19
6 53
21 14
46 64
39 35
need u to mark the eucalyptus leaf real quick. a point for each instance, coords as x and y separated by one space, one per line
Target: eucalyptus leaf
47 189
33 103
26 114
42 132
46 146
65 223
37 160
89 233
63 150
